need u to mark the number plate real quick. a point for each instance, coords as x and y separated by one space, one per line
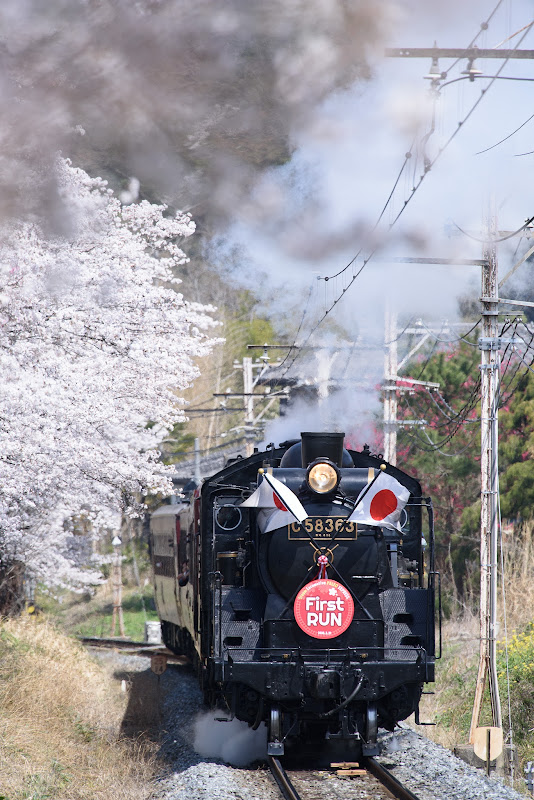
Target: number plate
338 528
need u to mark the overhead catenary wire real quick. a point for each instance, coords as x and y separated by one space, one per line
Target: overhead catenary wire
458 419
436 446
493 146
469 405
407 158
291 356
292 347
502 238
459 127
483 27
401 334
507 393
415 188
466 409
454 338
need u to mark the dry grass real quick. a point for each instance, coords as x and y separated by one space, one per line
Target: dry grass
518 559
59 720
452 704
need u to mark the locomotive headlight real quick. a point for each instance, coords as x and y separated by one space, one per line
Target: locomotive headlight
322 477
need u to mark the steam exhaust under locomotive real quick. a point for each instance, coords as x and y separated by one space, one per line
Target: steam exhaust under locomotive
299 582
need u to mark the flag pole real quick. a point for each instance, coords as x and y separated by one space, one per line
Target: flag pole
368 487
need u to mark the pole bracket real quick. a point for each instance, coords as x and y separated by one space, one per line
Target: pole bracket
495 343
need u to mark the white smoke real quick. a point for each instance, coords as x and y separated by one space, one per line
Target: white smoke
311 216
232 741
193 100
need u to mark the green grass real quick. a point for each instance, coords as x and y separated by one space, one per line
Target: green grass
98 621
451 705
91 613
86 615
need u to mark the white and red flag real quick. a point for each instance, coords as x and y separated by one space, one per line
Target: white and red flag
278 505
381 503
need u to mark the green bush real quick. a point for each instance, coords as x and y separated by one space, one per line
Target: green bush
521 676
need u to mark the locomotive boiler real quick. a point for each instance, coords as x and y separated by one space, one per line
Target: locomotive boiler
300 581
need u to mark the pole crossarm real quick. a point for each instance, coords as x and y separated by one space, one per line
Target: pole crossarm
249 394
415 382
526 303
424 338
450 262
516 267
455 52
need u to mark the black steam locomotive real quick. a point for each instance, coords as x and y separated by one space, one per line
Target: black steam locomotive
322 626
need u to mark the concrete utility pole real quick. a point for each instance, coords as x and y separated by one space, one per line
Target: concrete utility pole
489 344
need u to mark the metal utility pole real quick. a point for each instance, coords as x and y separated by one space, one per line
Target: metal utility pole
489 344
390 385
248 394
248 386
392 378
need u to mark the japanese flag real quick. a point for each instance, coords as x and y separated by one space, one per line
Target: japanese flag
279 505
381 503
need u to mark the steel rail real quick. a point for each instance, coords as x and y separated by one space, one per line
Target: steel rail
121 644
388 780
131 647
282 779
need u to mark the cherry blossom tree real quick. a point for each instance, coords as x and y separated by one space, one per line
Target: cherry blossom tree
94 342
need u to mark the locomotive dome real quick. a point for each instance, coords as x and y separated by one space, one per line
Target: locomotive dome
317 445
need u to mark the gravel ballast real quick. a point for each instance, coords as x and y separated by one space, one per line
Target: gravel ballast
430 771
434 773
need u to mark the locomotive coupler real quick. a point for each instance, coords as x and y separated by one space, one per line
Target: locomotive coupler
345 732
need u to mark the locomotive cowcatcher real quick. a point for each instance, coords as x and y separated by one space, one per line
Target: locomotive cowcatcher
334 661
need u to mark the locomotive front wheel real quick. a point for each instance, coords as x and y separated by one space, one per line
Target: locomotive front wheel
275 745
370 747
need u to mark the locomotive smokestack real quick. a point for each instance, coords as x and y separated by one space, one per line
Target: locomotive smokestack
322 445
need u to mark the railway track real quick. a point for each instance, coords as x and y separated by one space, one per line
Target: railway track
130 647
371 773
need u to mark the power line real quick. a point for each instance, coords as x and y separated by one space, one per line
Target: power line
505 138
407 158
503 238
428 167
401 334
483 27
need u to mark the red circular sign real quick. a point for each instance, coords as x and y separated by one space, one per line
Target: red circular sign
383 503
323 609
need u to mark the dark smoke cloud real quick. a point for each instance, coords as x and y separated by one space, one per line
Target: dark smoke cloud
191 98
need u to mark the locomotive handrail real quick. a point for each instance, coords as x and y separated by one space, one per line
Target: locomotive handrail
216 578
430 512
435 574
326 653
